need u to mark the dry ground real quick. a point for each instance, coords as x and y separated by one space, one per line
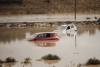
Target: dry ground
50 7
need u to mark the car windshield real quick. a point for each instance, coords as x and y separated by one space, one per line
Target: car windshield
33 36
61 28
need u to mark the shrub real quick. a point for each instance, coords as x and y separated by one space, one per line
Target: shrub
50 57
93 61
10 59
27 60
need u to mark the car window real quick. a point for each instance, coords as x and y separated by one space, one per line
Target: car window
33 36
72 26
39 36
48 35
45 35
68 27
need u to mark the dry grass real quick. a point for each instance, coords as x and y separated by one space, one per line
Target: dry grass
50 7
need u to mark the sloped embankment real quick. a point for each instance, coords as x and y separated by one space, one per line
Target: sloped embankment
48 6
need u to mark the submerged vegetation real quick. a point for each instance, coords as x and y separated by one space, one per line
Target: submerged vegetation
26 60
50 57
91 61
8 60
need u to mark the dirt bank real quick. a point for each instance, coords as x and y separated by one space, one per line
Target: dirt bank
51 24
49 6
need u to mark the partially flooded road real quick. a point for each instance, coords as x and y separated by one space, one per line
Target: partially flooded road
72 49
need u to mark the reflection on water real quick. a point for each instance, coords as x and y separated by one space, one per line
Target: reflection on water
9 64
51 61
26 64
74 48
91 31
45 44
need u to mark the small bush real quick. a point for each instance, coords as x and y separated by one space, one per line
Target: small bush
27 60
50 57
10 59
93 61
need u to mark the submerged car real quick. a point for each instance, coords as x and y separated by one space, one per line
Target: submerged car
43 36
66 28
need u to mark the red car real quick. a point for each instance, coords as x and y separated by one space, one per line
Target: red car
43 36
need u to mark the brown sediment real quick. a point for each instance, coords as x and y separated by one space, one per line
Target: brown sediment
51 24
92 62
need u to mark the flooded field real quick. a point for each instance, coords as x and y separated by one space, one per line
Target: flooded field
73 49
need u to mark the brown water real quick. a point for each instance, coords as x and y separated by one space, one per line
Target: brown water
73 49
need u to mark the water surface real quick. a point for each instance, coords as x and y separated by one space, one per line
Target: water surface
74 48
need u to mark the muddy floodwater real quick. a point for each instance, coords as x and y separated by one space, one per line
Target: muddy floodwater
74 48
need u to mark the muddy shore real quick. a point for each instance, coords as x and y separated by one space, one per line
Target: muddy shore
50 24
